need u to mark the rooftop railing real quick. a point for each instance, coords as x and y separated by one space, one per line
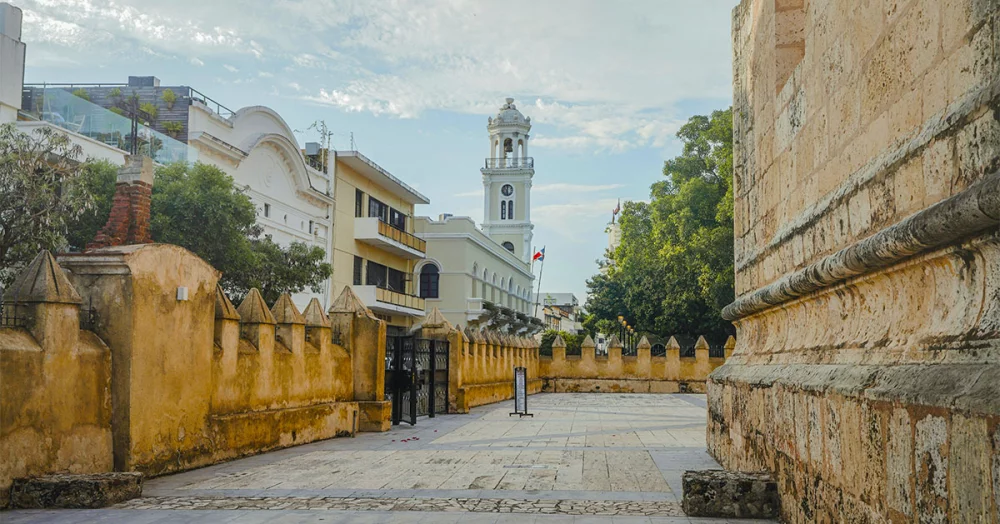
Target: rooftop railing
62 108
510 163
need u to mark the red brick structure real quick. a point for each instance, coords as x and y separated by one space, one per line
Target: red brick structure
129 220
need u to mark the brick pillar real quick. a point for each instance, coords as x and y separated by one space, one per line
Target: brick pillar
129 219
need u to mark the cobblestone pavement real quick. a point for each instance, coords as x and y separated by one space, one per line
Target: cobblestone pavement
581 458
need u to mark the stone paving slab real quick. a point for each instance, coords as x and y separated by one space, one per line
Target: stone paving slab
582 458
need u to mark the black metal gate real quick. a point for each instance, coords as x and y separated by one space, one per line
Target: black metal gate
416 377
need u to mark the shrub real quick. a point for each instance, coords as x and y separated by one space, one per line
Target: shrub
173 128
115 93
168 96
82 93
149 109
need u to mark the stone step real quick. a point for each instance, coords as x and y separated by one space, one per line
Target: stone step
729 494
75 491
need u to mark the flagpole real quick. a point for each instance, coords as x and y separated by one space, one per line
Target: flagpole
541 268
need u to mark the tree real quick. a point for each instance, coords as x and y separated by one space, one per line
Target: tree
200 208
98 180
673 271
40 194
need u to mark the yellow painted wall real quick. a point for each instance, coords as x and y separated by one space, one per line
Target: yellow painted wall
346 248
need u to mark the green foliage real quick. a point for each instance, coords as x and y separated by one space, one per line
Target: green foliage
81 93
98 180
40 194
117 110
149 109
673 272
173 127
573 342
168 96
115 92
198 207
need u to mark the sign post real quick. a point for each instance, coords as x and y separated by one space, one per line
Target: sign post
521 393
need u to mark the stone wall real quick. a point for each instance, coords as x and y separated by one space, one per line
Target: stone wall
55 399
615 373
866 376
173 376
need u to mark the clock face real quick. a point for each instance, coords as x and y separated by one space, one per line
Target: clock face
507 190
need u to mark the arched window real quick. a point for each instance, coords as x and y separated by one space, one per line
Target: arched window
429 278
510 209
503 210
508 246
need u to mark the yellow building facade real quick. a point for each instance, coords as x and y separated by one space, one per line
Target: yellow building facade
375 250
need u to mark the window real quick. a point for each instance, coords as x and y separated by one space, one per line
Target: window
510 209
310 227
359 198
358 265
378 209
267 210
789 38
376 275
429 280
508 246
397 219
396 280
503 210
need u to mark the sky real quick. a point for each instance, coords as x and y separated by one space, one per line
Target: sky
607 84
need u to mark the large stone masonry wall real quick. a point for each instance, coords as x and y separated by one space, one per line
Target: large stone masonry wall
866 374
642 373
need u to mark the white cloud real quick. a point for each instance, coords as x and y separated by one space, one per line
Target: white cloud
196 62
600 76
230 68
468 194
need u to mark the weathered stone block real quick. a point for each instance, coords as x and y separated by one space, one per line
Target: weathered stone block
729 494
75 491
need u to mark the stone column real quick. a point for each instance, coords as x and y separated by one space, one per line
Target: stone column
702 366
673 351
643 358
363 336
613 367
291 331
318 331
588 363
257 325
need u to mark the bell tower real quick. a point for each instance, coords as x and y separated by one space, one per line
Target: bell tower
507 182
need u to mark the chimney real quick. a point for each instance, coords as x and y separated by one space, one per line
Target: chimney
129 220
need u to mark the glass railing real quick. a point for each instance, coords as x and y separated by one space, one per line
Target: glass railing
407 239
68 111
398 299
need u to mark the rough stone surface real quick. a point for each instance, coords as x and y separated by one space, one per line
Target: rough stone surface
720 493
75 491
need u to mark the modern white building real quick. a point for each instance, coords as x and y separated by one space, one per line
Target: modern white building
484 276
560 311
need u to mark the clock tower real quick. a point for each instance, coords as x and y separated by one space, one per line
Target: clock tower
507 182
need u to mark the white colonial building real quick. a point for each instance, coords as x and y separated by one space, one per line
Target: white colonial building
471 273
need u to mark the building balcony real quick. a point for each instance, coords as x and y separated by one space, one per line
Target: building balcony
373 231
510 163
388 302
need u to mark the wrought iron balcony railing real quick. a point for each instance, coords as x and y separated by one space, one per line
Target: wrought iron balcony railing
510 163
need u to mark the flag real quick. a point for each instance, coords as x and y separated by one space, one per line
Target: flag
540 255
618 208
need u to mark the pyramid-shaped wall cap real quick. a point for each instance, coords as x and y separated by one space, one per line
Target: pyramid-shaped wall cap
558 342
435 320
644 343
701 343
42 281
285 312
348 302
224 308
731 342
253 310
673 344
314 315
614 342
588 343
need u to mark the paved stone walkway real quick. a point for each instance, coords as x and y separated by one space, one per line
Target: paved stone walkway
581 458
